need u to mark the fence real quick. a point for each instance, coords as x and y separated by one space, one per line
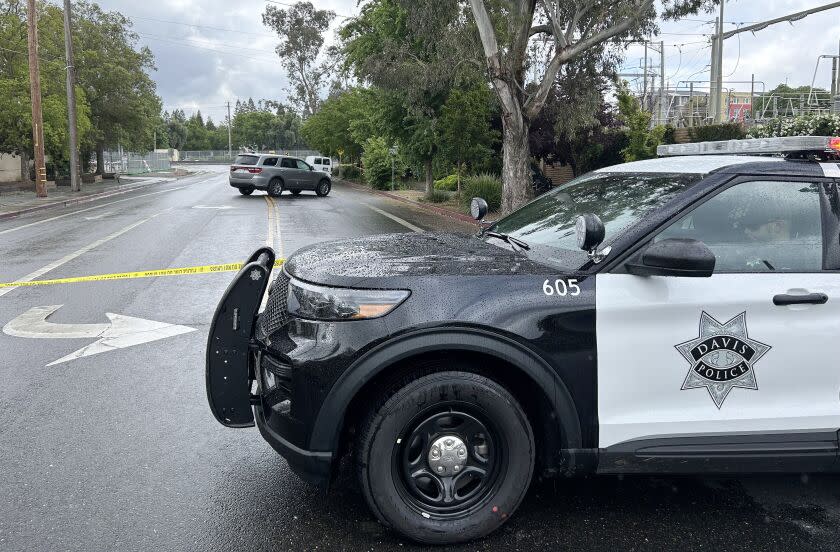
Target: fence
135 163
222 156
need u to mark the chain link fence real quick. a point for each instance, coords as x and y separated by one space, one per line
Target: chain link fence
222 156
135 163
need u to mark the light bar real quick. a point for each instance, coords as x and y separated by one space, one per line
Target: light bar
821 144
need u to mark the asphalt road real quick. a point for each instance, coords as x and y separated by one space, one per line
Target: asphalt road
118 450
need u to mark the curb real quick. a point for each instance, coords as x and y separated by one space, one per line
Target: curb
433 208
116 190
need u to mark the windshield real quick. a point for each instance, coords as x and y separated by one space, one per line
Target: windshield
547 224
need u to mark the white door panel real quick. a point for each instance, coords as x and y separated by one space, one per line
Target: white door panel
647 388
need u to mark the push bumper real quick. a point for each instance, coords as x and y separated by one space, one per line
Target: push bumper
234 386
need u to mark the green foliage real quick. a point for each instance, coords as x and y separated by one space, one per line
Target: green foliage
350 172
710 133
437 196
641 140
15 106
808 125
486 186
449 183
377 163
342 124
466 138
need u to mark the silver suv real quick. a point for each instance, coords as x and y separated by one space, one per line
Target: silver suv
276 173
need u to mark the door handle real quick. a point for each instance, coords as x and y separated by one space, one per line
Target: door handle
784 299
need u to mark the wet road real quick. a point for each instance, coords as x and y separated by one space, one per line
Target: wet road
118 450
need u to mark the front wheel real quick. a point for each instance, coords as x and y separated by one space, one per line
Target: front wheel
447 458
323 188
246 191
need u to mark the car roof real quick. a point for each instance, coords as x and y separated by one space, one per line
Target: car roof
693 164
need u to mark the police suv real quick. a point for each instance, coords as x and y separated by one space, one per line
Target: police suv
674 315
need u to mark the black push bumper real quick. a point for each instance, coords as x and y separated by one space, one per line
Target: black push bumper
234 390
231 348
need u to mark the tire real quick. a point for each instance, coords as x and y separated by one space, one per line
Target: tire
246 191
398 441
324 187
295 192
275 187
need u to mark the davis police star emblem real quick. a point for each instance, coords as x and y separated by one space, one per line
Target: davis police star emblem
722 357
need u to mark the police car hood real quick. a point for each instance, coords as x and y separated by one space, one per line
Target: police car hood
395 257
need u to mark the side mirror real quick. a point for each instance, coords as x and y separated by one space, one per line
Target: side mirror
478 208
590 232
675 257
311 168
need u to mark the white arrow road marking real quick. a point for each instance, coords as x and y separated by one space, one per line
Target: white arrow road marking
220 207
123 331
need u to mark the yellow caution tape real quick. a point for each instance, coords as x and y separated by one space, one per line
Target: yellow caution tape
185 271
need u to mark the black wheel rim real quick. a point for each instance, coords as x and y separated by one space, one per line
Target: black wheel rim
464 471
325 188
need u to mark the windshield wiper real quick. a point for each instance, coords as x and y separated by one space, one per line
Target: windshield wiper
509 239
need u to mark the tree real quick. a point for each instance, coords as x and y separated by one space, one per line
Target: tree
572 27
15 110
414 51
466 137
301 30
115 77
342 125
641 140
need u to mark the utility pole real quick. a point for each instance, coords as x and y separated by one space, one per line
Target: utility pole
644 79
663 108
230 142
75 182
35 96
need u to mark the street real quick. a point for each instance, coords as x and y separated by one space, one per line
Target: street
114 447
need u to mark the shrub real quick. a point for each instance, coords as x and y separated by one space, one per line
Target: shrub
711 133
350 172
449 183
437 196
487 186
806 125
377 163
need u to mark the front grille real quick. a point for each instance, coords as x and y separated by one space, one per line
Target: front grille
275 315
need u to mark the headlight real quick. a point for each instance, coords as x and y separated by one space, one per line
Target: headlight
329 303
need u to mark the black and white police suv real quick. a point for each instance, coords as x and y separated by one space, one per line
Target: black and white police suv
674 315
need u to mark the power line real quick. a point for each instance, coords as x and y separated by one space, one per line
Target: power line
238 31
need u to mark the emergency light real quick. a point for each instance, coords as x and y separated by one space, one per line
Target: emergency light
754 146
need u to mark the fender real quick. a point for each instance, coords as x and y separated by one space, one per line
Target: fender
327 427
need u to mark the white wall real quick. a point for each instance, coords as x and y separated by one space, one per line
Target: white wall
9 168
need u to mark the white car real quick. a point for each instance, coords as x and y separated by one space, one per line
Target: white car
323 164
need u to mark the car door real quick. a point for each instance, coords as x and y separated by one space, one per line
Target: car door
739 365
289 173
308 176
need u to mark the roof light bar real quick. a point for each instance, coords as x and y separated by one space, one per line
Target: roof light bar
821 144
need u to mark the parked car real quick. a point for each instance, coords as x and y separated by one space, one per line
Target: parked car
276 174
323 164
673 315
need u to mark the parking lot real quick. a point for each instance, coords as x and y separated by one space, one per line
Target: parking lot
115 448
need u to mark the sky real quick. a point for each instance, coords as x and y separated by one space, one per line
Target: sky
209 52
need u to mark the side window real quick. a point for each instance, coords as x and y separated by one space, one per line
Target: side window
326 161
761 226
316 161
270 162
302 165
287 163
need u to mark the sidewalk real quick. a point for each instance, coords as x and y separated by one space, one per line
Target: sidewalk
407 198
16 203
